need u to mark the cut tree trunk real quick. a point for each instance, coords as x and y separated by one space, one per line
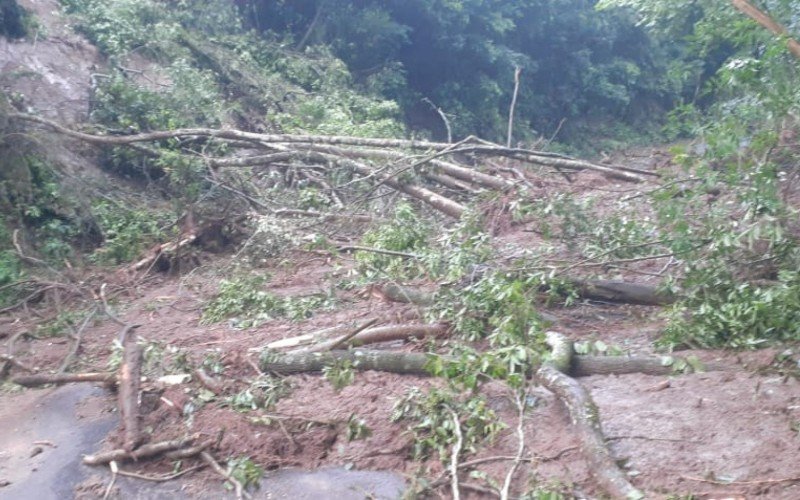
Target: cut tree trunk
585 416
414 363
40 379
622 292
129 381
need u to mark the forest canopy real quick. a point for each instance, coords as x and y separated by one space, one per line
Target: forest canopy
461 55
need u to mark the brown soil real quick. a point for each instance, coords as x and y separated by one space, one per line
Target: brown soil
673 436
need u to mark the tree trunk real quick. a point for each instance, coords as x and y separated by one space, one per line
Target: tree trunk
767 22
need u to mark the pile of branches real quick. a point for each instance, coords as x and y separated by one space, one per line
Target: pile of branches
381 162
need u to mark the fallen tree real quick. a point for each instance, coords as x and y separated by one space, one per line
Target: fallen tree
440 160
621 292
556 375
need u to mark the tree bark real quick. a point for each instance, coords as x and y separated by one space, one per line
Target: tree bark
40 379
129 381
413 363
622 292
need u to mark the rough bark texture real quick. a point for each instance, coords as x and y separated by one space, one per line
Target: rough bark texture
585 366
64 378
585 417
395 362
414 363
129 381
401 332
586 426
622 292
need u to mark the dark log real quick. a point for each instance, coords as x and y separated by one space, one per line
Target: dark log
64 378
399 332
622 292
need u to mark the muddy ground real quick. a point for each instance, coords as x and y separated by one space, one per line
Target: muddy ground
674 435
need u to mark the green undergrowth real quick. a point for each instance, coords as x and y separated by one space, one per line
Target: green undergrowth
246 304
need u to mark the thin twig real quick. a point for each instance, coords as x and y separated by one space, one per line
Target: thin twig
521 438
240 493
76 343
454 457
161 479
114 470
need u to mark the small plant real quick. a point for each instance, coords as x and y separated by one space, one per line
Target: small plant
243 300
430 416
340 374
244 470
61 324
357 429
263 393
126 232
562 217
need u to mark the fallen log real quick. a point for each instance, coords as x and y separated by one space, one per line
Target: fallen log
622 292
40 379
129 381
368 336
145 451
164 249
585 418
387 361
339 342
413 363
586 366
399 332
320 142
407 295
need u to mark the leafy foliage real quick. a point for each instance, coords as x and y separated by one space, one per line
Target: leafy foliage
263 393
406 232
126 232
433 426
244 470
339 374
13 19
248 305
462 55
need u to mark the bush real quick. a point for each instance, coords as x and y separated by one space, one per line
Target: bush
126 232
245 301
